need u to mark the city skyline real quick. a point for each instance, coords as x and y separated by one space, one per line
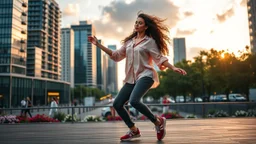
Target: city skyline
206 24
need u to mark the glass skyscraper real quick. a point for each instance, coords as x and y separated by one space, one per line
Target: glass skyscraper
85 55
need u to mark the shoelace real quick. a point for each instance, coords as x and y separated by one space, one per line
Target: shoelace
158 128
130 133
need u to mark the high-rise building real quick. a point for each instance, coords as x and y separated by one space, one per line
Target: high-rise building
13 36
179 47
112 84
251 7
43 55
100 67
67 55
105 71
85 55
14 84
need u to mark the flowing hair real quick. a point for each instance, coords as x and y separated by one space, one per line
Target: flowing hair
156 29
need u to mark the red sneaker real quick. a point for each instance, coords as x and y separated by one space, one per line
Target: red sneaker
160 129
130 135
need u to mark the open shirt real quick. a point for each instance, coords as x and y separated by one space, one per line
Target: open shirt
139 60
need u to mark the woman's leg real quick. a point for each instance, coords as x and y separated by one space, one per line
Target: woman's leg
140 89
122 97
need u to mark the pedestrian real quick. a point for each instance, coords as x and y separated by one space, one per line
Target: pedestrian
166 104
147 43
54 105
28 106
23 107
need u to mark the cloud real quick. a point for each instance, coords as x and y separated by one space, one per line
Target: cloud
227 14
71 10
180 32
119 15
188 13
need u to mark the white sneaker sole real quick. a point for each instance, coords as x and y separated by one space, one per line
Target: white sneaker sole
134 137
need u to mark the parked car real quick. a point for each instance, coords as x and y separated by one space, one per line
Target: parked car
236 97
107 112
198 99
218 98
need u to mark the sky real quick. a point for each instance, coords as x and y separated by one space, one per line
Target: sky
206 24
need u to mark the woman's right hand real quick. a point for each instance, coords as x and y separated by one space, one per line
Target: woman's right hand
93 40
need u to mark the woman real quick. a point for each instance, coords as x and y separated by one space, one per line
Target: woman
146 44
28 106
54 106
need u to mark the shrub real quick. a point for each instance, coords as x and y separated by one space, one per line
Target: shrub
154 109
59 116
240 113
221 113
111 118
92 118
42 118
191 116
251 113
171 115
8 119
68 118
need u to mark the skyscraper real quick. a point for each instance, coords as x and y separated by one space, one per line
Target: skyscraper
44 39
105 71
251 7
179 47
14 84
100 67
85 55
67 55
112 86
13 36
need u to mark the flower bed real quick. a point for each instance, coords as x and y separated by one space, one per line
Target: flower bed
9 119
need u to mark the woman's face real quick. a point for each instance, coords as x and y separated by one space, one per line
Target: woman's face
139 25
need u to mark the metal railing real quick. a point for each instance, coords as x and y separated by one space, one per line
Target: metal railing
199 109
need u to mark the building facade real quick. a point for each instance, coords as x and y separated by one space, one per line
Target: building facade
100 67
179 47
44 34
14 84
67 56
251 7
13 36
85 55
112 84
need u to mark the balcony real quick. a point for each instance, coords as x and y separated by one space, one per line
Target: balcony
23 31
23 22
22 50
24 13
24 4
22 41
22 59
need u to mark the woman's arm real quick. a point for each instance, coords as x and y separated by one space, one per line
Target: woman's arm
116 55
178 70
94 41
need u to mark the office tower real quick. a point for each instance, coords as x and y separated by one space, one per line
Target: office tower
43 55
179 47
67 55
105 71
13 36
85 55
251 7
112 84
100 67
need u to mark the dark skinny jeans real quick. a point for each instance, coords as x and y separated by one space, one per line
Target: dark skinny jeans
133 93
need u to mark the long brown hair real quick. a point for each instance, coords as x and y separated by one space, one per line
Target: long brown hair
156 29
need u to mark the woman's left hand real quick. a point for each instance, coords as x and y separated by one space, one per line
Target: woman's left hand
179 70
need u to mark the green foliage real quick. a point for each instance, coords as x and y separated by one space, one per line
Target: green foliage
210 72
59 116
80 92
